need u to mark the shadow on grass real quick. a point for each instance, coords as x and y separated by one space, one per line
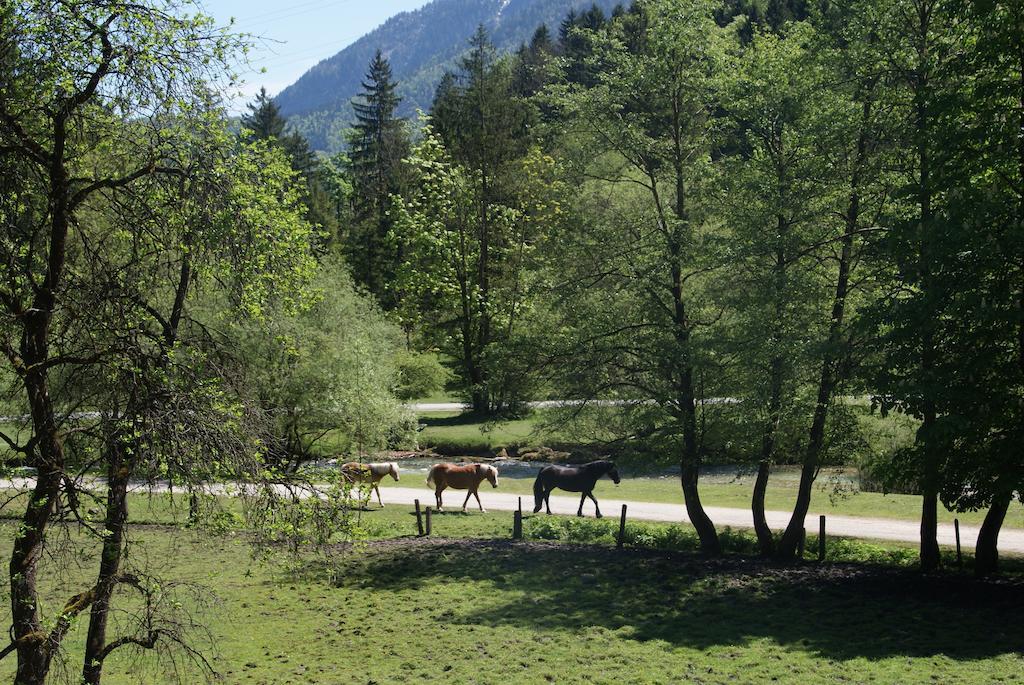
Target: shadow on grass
839 611
463 419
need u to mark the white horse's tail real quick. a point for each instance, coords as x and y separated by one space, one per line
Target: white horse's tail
430 476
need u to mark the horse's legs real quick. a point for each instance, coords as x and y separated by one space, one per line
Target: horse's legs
477 495
375 487
583 498
437 496
547 500
466 501
596 508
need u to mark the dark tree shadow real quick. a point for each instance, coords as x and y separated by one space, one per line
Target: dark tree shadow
840 611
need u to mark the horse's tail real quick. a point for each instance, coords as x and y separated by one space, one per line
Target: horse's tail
538 493
430 476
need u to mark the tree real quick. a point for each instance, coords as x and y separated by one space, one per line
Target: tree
985 327
378 143
480 308
105 107
483 128
265 122
332 368
777 192
639 310
531 64
922 39
857 136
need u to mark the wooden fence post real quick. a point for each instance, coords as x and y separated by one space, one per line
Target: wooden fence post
419 519
428 521
956 529
821 538
622 528
517 525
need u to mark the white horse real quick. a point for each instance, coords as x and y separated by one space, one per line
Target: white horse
369 473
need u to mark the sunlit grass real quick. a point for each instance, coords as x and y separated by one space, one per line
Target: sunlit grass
491 611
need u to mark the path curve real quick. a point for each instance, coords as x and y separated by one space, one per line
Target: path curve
1011 540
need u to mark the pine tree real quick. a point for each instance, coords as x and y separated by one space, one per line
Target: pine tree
377 144
264 118
529 75
577 46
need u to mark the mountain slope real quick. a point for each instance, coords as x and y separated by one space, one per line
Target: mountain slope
421 45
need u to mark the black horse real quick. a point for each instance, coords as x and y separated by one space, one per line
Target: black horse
574 479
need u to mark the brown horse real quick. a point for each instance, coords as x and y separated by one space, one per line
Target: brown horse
369 473
465 477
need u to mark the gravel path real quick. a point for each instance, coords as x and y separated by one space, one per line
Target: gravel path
1011 540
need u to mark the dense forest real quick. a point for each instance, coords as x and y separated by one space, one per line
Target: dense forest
690 218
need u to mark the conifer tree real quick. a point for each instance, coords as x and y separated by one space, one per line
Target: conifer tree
377 144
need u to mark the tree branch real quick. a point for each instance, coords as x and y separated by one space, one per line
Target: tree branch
110 183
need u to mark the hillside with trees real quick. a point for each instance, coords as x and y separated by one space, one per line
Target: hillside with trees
419 46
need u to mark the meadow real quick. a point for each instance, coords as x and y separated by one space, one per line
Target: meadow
475 607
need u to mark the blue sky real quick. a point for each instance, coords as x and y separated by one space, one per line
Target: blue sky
293 36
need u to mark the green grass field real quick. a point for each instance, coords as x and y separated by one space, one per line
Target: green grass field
454 430
485 610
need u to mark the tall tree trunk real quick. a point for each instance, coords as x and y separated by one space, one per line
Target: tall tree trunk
690 471
927 434
830 365
765 539
118 474
35 648
986 553
691 458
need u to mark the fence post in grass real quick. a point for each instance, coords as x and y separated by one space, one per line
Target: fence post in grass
801 543
419 519
428 521
956 529
622 528
517 525
520 507
821 538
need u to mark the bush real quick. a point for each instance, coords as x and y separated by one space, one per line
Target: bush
419 375
862 552
570 529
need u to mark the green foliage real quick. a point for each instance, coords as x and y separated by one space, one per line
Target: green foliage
467 277
419 375
320 196
332 366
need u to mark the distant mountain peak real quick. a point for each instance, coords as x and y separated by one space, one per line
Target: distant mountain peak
421 45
